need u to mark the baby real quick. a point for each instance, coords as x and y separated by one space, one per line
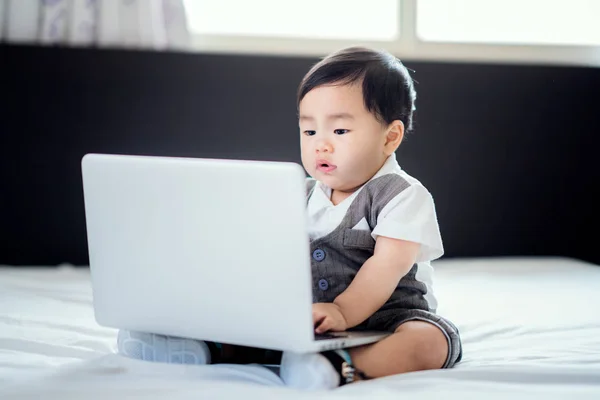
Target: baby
373 231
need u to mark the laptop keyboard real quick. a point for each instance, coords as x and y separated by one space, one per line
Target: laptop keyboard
326 336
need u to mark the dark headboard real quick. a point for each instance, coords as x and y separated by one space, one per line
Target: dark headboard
509 151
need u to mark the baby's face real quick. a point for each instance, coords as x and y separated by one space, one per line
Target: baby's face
343 144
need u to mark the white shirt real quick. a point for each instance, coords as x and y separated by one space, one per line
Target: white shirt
409 216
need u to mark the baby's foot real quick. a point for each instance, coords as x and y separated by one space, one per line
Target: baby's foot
161 348
318 371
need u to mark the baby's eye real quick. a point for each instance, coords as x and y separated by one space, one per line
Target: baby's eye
310 133
341 131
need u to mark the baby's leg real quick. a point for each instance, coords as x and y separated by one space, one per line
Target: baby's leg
415 346
421 341
161 348
234 354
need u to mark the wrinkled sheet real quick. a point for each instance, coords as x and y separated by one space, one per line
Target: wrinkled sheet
530 329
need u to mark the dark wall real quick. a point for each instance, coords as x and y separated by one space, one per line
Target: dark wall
509 152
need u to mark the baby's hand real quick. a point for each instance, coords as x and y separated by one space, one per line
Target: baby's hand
328 317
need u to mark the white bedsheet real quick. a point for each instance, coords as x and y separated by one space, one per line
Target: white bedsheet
530 329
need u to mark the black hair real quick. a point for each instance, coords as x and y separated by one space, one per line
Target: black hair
388 90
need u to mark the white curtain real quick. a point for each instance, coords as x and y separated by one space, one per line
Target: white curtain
154 24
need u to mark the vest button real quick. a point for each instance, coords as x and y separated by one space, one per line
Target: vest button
323 284
318 255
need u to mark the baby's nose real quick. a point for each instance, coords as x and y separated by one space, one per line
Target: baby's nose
324 147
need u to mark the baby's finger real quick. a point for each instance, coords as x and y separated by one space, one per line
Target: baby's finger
318 318
324 326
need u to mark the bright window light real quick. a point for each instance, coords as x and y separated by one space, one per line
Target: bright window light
376 20
533 22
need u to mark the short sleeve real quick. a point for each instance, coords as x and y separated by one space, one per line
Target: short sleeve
411 216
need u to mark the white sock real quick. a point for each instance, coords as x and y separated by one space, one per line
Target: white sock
161 348
310 371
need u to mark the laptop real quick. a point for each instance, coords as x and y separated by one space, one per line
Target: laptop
208 249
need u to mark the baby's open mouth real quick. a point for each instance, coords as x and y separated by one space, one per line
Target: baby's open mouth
325 166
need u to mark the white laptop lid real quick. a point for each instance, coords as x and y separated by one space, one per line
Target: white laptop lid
208 249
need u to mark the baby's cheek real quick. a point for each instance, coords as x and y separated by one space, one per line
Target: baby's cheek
309 168
305 162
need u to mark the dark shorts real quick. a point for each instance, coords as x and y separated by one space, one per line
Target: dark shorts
390 320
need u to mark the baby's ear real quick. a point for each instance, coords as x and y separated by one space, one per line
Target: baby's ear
394 136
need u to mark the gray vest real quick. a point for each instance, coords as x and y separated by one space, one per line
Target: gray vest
337 257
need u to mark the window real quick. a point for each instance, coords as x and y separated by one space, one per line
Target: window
376 20
515 31
531 22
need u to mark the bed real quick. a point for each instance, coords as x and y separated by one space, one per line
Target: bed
530 326
505 182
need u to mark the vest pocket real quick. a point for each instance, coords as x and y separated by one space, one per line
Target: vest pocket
358 239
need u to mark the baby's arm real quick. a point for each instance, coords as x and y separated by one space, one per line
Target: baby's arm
376 280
